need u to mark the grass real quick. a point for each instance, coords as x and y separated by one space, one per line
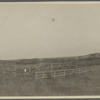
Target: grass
72 85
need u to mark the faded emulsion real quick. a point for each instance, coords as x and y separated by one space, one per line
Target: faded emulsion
53 19
50 49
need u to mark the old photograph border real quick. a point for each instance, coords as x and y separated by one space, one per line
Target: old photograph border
50 97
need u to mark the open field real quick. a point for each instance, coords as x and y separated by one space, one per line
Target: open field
75 84
17 77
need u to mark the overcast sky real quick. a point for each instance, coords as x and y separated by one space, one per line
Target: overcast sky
48 30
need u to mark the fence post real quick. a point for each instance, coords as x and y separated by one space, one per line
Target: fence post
54 74
14 68
51 67
43 74
36 75
2 69
14 73
29 69
64 73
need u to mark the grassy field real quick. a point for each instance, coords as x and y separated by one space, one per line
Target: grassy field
76 84
87 83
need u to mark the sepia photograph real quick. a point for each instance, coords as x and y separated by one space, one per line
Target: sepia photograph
50 49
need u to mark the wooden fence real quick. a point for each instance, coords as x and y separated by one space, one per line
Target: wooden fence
44 74
54 74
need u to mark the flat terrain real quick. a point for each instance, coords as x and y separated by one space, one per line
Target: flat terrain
77 84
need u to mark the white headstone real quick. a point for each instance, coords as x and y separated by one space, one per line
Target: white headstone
25 70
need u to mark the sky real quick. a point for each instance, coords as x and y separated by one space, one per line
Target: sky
49 30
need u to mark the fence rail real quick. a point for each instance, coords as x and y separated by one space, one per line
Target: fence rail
44 74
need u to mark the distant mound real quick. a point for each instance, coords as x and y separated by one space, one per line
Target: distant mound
88 60
96 55
21 61
28 61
